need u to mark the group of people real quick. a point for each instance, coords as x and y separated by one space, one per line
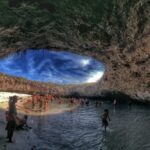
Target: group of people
41 101
13 121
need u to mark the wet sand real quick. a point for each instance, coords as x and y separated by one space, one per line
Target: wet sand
24 106
27 140
22 140
4 96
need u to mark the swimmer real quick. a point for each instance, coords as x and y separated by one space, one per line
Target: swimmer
114 102
97 103
87 102
105 117
82 102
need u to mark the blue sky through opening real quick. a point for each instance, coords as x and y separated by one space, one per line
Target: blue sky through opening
51 66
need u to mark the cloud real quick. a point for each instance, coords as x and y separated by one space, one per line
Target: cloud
51 66
94 76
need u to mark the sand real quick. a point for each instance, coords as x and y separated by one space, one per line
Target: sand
4 96
22 140
26 140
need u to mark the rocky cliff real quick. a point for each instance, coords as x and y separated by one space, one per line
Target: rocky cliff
112 31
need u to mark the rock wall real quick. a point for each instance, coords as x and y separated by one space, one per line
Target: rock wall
114 32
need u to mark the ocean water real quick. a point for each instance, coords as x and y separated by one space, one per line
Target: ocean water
81 129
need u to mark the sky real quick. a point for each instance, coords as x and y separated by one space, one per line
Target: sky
53 67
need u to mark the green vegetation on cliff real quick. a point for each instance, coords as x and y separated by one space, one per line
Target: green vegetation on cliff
77 22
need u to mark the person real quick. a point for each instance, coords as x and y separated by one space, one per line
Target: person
21 123
114 102
11 118
71 101
46 103
41 100
82 102
87 102
12 105
10 127
129 104
7 119
105 117
33 100
98 103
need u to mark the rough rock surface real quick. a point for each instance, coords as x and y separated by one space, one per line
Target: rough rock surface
121 40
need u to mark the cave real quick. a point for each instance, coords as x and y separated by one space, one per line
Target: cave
69 64
108 34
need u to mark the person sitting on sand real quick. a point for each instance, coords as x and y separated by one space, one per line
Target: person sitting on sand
22 123
105 117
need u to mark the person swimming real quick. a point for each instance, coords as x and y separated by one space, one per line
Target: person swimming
105 117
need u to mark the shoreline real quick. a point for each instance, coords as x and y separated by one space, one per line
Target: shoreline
27 139
4 96
24 105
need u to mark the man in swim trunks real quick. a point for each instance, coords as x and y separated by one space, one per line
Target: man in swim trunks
105 117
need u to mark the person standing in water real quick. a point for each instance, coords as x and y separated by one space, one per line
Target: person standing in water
114 102
33 100
11 118
105 117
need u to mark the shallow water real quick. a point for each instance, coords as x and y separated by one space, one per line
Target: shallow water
81 129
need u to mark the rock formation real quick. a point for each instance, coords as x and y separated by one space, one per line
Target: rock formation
114 32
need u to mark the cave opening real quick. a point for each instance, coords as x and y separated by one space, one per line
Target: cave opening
52 67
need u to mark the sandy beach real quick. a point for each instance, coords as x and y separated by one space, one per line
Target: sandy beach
20 138
24 105
26 140
4 96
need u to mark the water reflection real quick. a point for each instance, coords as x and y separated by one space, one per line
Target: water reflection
51 66
81 129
